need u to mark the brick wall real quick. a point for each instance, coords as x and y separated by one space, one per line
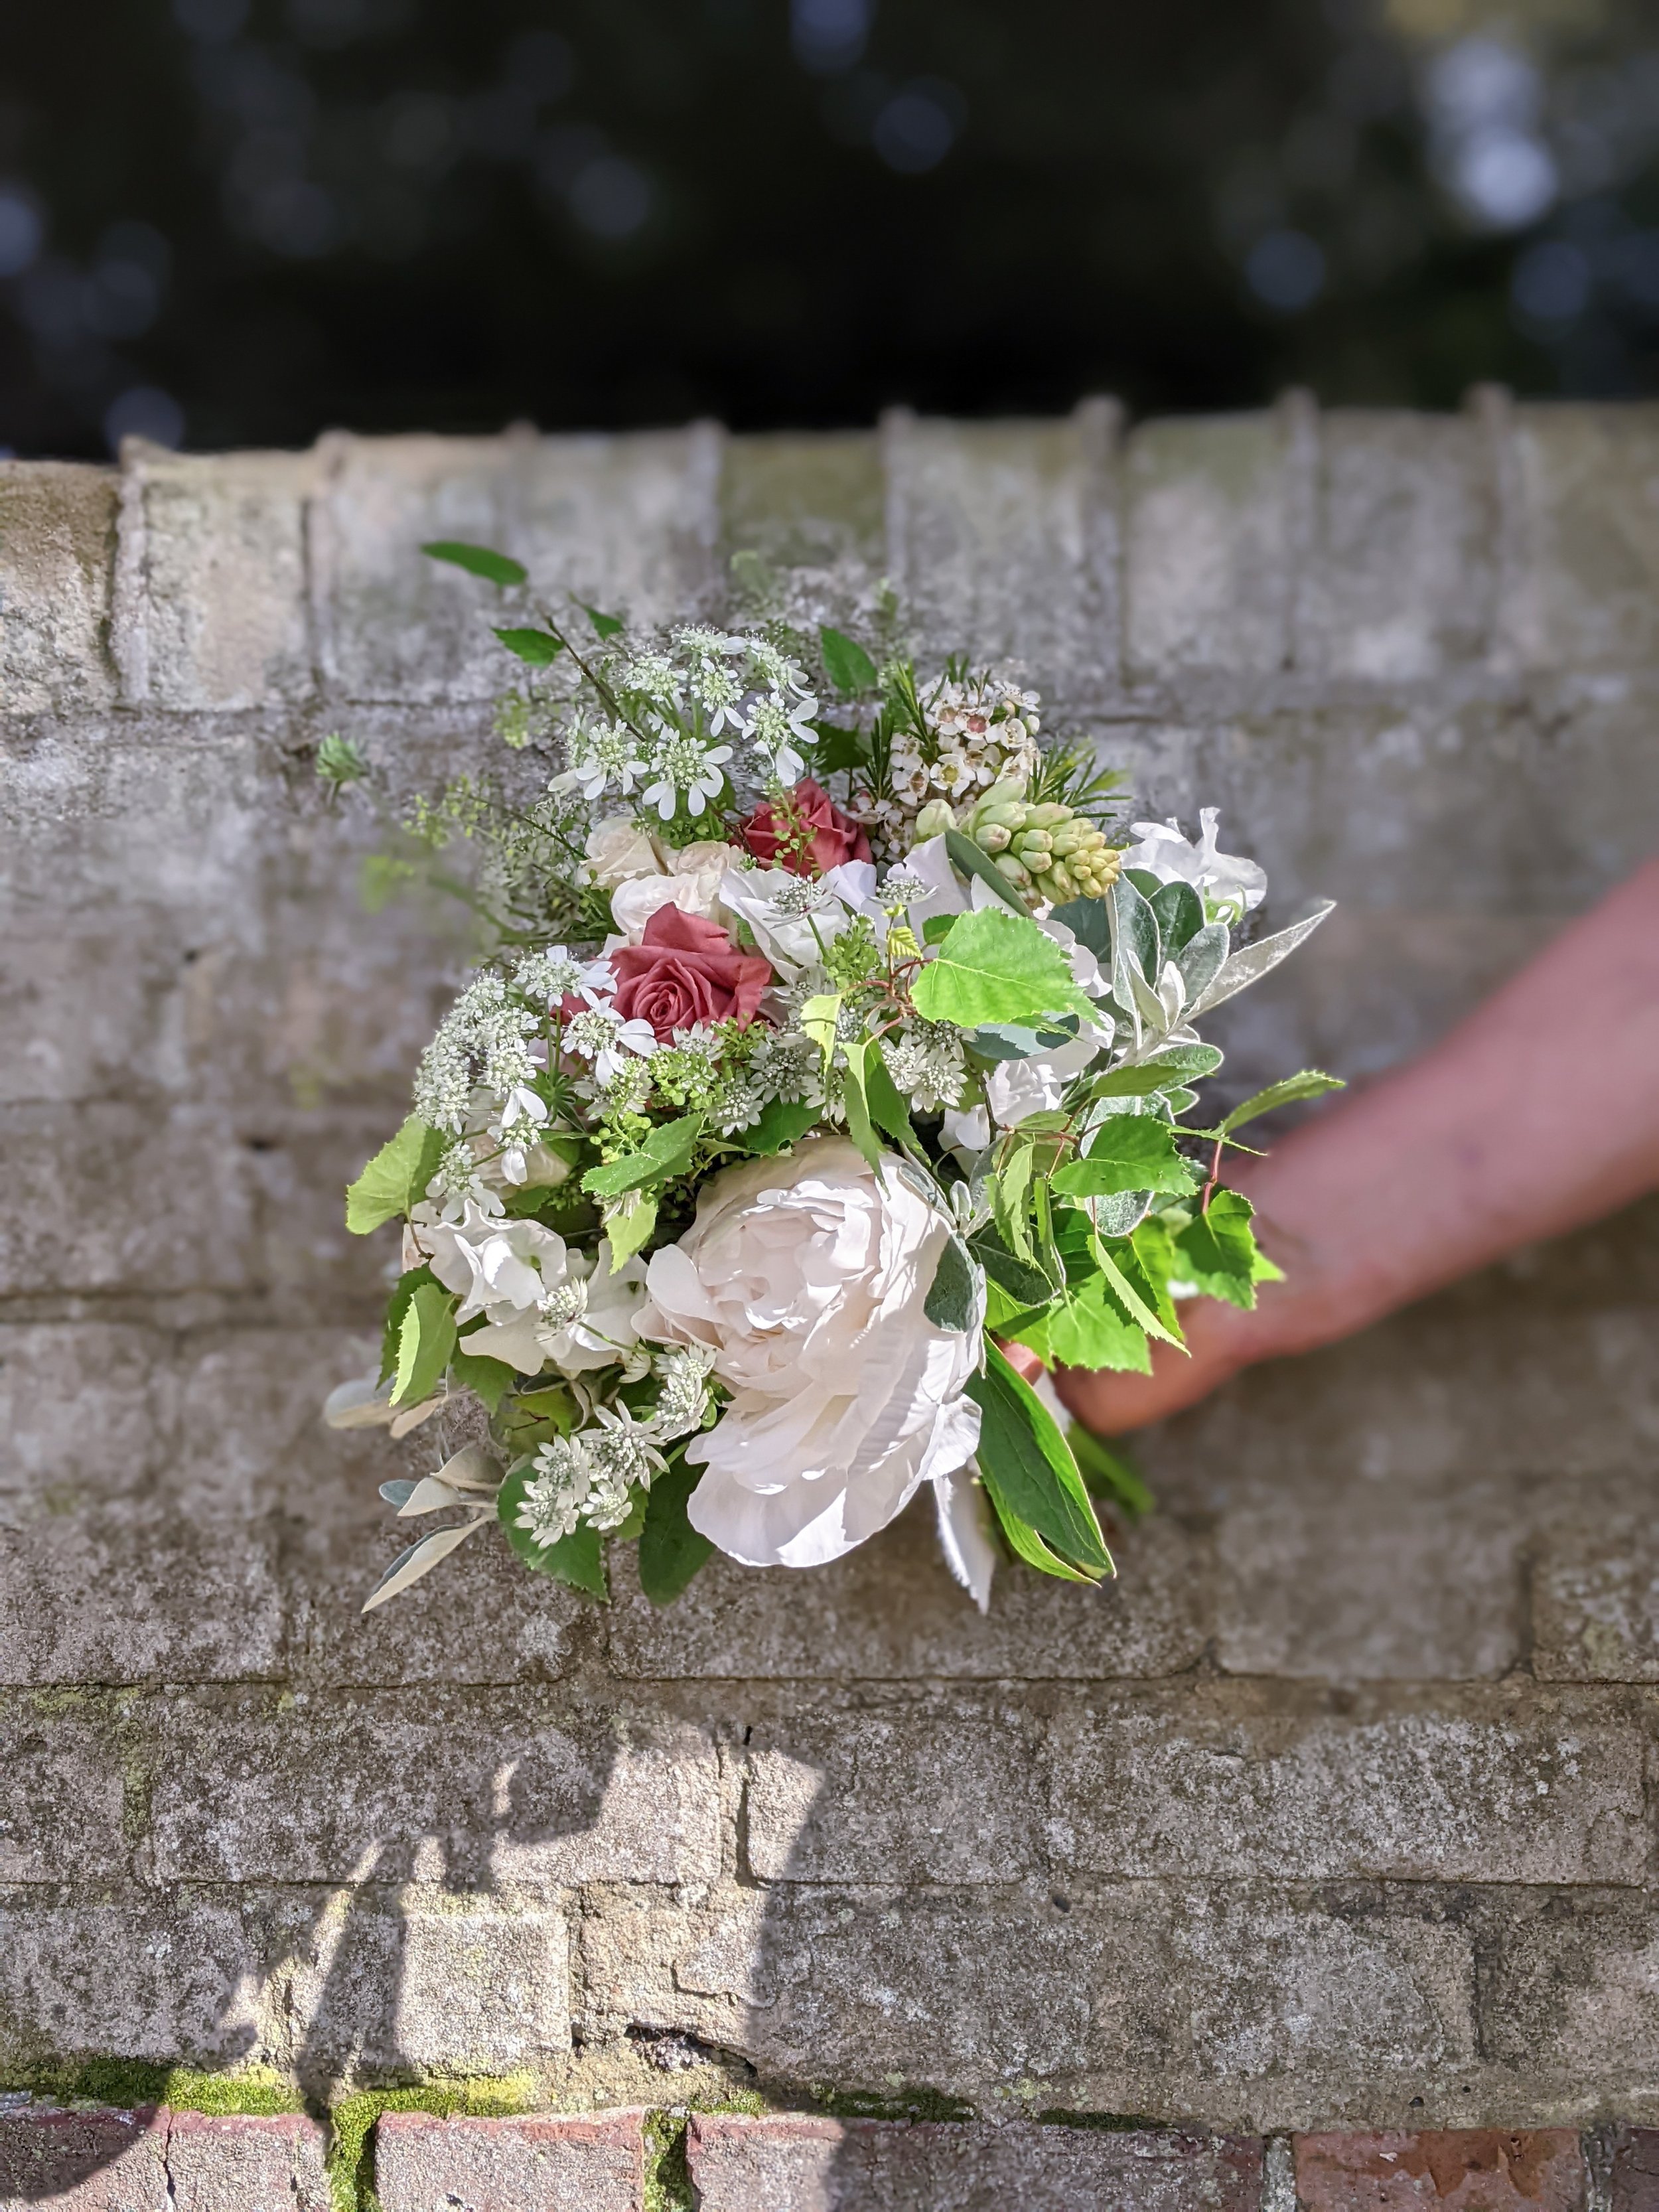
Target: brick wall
1332 1812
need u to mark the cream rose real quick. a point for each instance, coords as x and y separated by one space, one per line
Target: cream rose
806 1278
690 880
617 849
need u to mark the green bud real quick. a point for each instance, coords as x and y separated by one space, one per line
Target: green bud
1008 865
1051 815
992 837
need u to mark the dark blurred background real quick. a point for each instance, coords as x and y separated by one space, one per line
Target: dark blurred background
242 221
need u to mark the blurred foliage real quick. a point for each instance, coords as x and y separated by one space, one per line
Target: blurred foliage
239 222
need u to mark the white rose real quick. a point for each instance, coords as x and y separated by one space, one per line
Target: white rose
1232 885
691 882
806 1279
617 850
540 1300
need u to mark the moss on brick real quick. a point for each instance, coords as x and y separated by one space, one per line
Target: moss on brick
919 2104
351 2124
126 2082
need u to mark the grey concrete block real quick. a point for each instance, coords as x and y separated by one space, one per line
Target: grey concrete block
1585 498
1595 1606
60 1790
794 2164
437 1785
1214 1785
627 524
997 534
83 2162
57 551
558 2164
922 1793
62 1383
1209 547
841 1620
244 2162
1570 1999
210 608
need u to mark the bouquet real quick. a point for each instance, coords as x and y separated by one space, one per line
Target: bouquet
829 1040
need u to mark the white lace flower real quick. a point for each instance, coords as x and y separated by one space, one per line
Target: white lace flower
776 726
600 1034
681 767
604 756
517 1130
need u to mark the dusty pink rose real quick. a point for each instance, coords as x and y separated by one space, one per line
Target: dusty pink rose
808 834
686 970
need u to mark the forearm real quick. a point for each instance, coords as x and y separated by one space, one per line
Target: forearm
1540 1112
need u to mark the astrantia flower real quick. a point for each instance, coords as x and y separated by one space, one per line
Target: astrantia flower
806 1277
1230 886
654 677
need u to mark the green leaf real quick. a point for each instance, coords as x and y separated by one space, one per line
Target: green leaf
1217 1251
603 625
1022 1279
665 1152
784 1121
629 1223
1127 1152
1252 961
859 1127
1137 938
1140 1308
478 561
1026 1464
577 1560
1310 1083
839 751
887 1110
997 967
1107 1473
488 1379
1090 923
426 1340
1011 1199
953 1299
1091 1328
936 927
535 645
847 664
397 1307
817 1019
1180 915
1186 1063
1025 1543
395 1178
968 861
670 1549
1202 958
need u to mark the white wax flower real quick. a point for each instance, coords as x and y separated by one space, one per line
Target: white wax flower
1233 886
806 1278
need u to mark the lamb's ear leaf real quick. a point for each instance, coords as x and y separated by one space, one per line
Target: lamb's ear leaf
670 1550
420 1559
1252 961
395 1178
953 1298
1027 1464
478 561
577 1560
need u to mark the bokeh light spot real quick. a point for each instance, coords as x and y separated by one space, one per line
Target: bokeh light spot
145 411
610 197
1285 269
20 230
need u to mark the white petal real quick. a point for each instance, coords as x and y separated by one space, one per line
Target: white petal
964 1533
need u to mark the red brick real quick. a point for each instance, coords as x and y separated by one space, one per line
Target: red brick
1460 2170
802 2165
97 2161
550 2164
238 2163
1635 2178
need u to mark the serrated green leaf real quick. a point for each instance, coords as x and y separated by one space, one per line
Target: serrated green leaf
785 1121
1027 1465
1090 1328
966 858
665 1152
953 1299
395 1178
397 1307
603 625
1011 1199
535 645
847 664
630 1222
887 1110
839 751
577 1560
817 1019
1217 1252
478 561
670 1550
1140 1308
1184 1064
1022 1279
859 1128
1127 1152
426 1339
1288 1091
936 927
997 967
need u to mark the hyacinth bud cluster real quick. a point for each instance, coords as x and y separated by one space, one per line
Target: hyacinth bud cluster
1046 848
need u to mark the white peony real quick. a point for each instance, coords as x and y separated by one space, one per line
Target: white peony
540 1300
806 1278
690 879
1232 886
